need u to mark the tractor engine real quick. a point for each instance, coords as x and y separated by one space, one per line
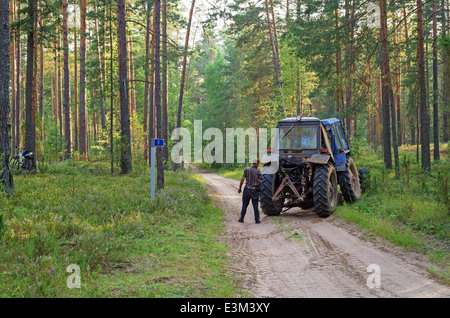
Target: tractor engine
301 177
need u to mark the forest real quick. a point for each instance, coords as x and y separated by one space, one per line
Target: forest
86 85
97 80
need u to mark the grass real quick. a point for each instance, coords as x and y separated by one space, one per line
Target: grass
411 211
125 244
232 173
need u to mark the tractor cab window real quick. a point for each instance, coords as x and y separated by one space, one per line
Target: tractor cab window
341 134
298 138
336 137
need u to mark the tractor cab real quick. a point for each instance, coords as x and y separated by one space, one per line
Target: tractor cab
313 158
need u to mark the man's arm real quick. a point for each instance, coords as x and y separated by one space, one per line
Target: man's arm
240 185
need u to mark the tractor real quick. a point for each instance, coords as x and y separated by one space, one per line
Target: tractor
312 159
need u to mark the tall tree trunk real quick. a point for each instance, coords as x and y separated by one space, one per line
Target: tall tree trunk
18 87
67 123
100 74
6 177
384 62
30 123
147 79
132 77
435 87
338 64
424 117
446 78
159 153
394 133
275 57
75 60
82 108
349 68
41 71
111 93
165 96
299 91
183 76
275 33
152 112
13 82
55 95
60 101
396 83
125 158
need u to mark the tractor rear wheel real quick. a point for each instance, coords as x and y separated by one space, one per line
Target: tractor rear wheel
268 206
349 182
325 190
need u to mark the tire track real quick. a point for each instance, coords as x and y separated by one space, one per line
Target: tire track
322 259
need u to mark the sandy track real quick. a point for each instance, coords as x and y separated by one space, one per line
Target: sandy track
300 255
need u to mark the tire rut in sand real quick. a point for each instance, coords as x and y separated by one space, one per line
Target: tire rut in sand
322 260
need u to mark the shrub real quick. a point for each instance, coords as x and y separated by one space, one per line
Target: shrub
2 226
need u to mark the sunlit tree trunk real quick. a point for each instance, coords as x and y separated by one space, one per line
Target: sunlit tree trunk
446 78
158 106
165 97
18 86
384 62
66 103
41 71
100 70
147 79
183 75
424 117
75 62
435 87
275 56
13 82
6 177
82 108
30 102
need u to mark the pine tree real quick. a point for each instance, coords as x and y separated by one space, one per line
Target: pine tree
125 157
6 177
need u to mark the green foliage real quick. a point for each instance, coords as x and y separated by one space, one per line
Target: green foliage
411 211
444 42
2 226
125 244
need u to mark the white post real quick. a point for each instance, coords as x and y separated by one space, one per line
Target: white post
152 166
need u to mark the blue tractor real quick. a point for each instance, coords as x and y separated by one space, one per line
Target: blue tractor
312 160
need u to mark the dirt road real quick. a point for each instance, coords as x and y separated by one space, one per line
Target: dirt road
300 255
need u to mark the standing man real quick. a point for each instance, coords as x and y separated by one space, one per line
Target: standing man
251 191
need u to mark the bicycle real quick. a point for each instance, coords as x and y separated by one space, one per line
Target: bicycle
23 160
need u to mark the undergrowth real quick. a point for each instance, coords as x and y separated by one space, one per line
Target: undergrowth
125 244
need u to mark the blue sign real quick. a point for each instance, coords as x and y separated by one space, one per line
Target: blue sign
159 142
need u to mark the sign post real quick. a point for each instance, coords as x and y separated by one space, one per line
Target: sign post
154 143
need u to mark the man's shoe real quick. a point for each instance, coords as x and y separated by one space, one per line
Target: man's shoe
241 220
258 222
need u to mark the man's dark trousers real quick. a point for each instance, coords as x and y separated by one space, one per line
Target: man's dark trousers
250 194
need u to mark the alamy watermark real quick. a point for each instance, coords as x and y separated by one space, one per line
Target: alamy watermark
74 280
234 145
374 279
373 16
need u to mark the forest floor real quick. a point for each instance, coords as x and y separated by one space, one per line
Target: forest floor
299 254
124 244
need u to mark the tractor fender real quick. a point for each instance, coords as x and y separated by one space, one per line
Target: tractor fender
340 162
270 164
319 159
